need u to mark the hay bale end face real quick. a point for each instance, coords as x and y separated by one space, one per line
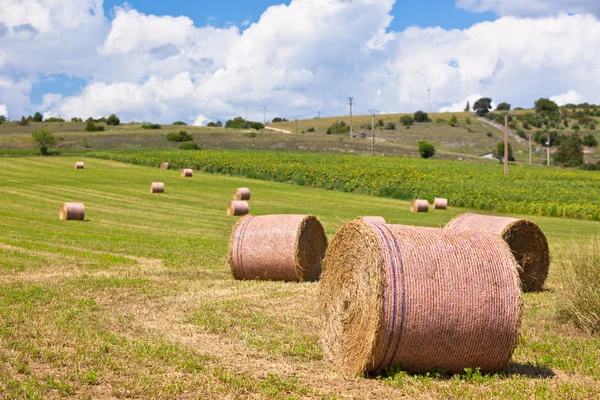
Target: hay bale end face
526 240
241 194
187 173
422 299
72 212
440 204
237 208
164 165
79 165
419 206
373 220
157 187
277 247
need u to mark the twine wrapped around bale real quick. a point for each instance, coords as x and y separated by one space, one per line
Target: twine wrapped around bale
236 208
277 247
72 212
188 173
440 204
373 220
157 187
241 194
164 165
419 206
422 299
79 165
525 238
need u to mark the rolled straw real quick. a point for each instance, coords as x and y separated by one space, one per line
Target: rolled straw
241 194
164 165
440 204
422 299
187 173
374 220
237 208
525 238
157 187
277 247
419 206
72 212
79 165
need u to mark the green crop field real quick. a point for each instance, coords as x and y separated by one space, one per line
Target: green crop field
136 301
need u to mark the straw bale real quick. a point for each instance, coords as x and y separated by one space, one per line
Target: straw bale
72 212
440 204
419 206
188 173
373 220
237 208
79 165
422 299
164 165
157 187
241 194
525 238
277 247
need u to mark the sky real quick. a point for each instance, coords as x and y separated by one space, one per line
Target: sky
201 61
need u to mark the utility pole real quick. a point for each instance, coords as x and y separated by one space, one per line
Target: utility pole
246 113
296 125
506 145
351 104
530 133
429 101
319 123
265 110
373 112
548 148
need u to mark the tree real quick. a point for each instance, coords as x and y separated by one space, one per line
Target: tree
23 121
390 126
90 126
570 152
421 116
179 123
44 139
113 120
468 107
426 149
257 125
546 106
483 106
503 107
453 121
37 117
499 152
338 127
2 119
590 141
217 124
406 120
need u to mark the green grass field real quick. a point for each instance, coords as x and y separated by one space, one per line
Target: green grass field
136 301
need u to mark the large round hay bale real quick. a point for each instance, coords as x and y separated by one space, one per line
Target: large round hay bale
79 165
236 208
157 187
241 194
188 173
423 299
277 247
72 212
164 165
440 204
525 238
373 220
419 206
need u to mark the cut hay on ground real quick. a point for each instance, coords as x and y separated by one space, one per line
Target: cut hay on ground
373 220
440 204
419 206
423 299
277 247
72 212
157 187
188 173
236 208
241 194
525 238
164 165
79 165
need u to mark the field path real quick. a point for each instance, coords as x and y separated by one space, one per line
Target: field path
524 142
278 130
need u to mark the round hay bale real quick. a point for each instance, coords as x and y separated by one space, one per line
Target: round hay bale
164 165
79 165
419 206
236 208
241 194
440 204
525 238
422 299
373 220
157 187
188 173
72 212
277 247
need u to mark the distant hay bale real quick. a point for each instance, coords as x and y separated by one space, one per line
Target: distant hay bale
164 165
188 173
157 187
525 238
79 165
419 206
373 220
277 247
241 194
72 212
236 208
422 299
440 204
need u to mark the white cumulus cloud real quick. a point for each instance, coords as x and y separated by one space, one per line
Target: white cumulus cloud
531 7
570 97
3 110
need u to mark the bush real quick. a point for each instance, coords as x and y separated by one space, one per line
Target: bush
569 151
44 139
179 123
338 128
90 126
468 120
499 152
189 146
380 123
181 136
279 119
54 119
426 149
503 107
311 129
440 121
407 120
113 120
453 121
217 124
257 125
489 134
2 119
75 119
23 122
390 126
421 116
590 141
148 125
366 127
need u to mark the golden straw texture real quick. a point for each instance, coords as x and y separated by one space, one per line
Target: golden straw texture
373 220
72 212
277 247
241 194
423 299
419 206
525 238
157 187
188 173
236 208
79 165
440 204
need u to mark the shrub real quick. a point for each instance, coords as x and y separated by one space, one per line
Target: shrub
468 120
590 141
148 125
311 129
390 126
44 139
23 122
37 117
453 121
2 119
568 150
338 128
181 136
407 120
379 123
54 119
250 134
257 125
503 107
499 152
188 146
440 121
279 119
526 125
489 134
179 123
217 124
366 127
90 126
426 149
421 116
113 120
592 127
75 119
